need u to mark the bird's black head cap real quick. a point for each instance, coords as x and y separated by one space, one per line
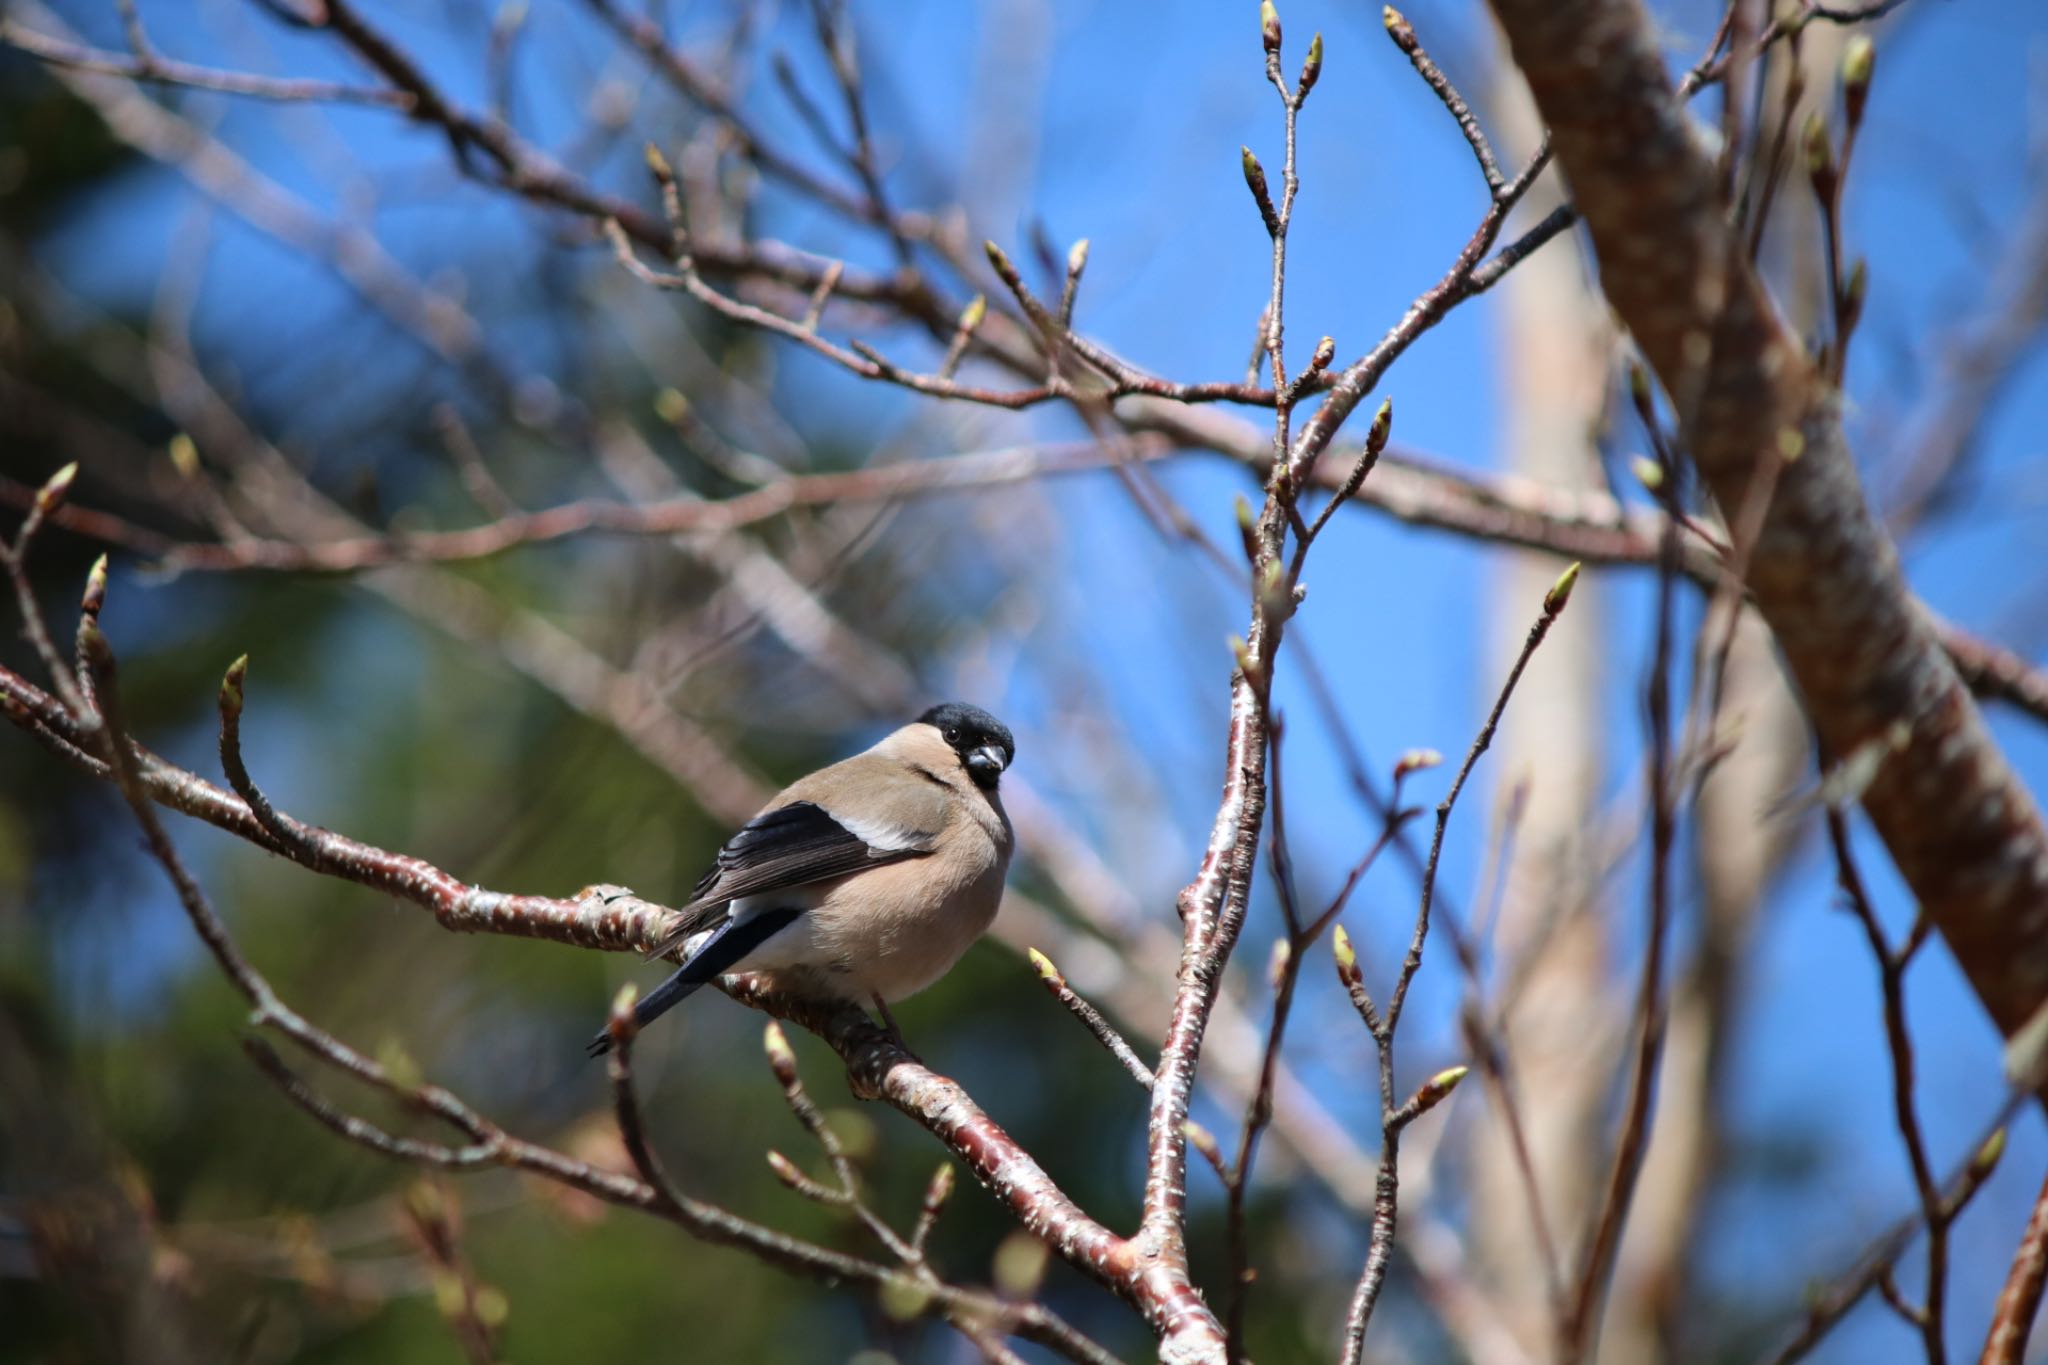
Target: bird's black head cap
983 742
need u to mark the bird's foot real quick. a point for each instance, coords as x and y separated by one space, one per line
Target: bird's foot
889 1025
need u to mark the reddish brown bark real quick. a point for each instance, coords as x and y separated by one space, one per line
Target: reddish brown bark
1965 833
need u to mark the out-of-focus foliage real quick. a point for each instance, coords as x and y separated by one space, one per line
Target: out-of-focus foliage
207 1219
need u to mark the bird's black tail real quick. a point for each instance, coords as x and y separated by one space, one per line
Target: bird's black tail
729 942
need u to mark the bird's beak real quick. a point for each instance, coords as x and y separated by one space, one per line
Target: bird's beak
987 762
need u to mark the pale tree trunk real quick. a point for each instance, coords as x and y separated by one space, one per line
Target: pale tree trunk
1557 1018
1740 853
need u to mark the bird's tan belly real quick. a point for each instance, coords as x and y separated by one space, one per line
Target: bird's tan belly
889 932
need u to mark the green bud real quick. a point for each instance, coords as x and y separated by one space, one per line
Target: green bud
940 1189
786 1171
1255 180
450 1298
1254 173
1859 59
53 492
232 687
1020 1265
1397 27
184 455
491 1306
1853 291
904 1298
95 597
1312 68
1415 761
1382 427
1561 591
1000 260
399 1068
622 1003
1820 157
1438 1088
781 1057
1347 956
424 1201
1986 1159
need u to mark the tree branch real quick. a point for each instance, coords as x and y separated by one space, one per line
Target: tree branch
1964 832
2020 1299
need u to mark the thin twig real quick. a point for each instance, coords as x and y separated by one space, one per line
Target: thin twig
1092 1019
1383 1024
1831 1304
14 560
1578 1329
159 70
1891 966
1404 38
782 1061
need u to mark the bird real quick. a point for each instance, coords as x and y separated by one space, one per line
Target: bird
864 881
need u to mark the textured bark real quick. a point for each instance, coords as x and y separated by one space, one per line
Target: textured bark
1737 854
1965 834
2020 1300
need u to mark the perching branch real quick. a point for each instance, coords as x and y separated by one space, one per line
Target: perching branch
600 917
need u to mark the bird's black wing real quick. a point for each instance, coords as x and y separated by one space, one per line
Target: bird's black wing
723 946
792 845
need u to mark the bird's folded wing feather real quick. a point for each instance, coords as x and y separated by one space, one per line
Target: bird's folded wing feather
799 843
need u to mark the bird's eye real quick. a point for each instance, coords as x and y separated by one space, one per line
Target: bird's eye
952 734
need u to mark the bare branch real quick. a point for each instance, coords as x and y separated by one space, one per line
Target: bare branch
1403 34
1833 1303
2020 1300
163 71
1383 1024
878 484
1579 1326
1091 1019
1928 1318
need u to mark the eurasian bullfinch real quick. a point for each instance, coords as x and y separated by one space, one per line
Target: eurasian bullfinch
864 881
